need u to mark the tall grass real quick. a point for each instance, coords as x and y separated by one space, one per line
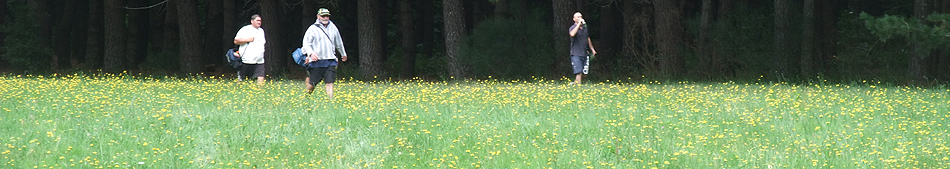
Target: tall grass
118 121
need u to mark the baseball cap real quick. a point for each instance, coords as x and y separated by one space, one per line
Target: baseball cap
323 11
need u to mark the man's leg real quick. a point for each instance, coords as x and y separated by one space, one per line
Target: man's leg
329 78
309 88
330 90
313 77
259 73
306 81
577 79
241 73
577 67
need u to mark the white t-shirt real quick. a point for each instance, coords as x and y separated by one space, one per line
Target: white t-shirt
252 52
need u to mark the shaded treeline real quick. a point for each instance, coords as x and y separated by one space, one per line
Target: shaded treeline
441 39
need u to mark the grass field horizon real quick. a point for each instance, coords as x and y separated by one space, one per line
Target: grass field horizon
118 121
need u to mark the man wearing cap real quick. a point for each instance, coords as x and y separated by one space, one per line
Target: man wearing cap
251 39
320 43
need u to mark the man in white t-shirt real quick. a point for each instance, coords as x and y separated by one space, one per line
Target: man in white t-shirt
251 39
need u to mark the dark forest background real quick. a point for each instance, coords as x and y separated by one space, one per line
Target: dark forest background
704 40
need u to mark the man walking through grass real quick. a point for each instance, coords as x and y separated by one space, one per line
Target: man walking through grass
320 43
251 39
580 42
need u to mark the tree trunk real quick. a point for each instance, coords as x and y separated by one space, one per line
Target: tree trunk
190 40
385 40
62 35
94 42
156 16
470 13
428 27
725 6
275 53
138 25
4 11
453 18
408 39
308 16
563 19
724 68
639 37
170 41
579 6
781 38
115 40
669 36
370 39
43 17
708 63
79 34
229 25
611 41
808 38
916 66
943 55
827 33
479 11
213 36
501 8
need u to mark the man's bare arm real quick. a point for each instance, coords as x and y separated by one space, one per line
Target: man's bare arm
241 41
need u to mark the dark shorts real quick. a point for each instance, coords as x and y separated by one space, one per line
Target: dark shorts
326 74
251 70
580 64
319 63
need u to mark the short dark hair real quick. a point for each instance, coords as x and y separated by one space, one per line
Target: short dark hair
255 16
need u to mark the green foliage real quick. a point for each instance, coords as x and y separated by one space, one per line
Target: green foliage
892 39
509 47
862 55
432 66
164 61
931 30
427 67
743 40
23 48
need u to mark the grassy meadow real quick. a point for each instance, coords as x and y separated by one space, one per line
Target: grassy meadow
136 122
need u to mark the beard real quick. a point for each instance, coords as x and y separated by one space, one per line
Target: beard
325 22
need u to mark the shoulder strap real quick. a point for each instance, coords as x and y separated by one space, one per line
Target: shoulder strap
324 32
245 46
